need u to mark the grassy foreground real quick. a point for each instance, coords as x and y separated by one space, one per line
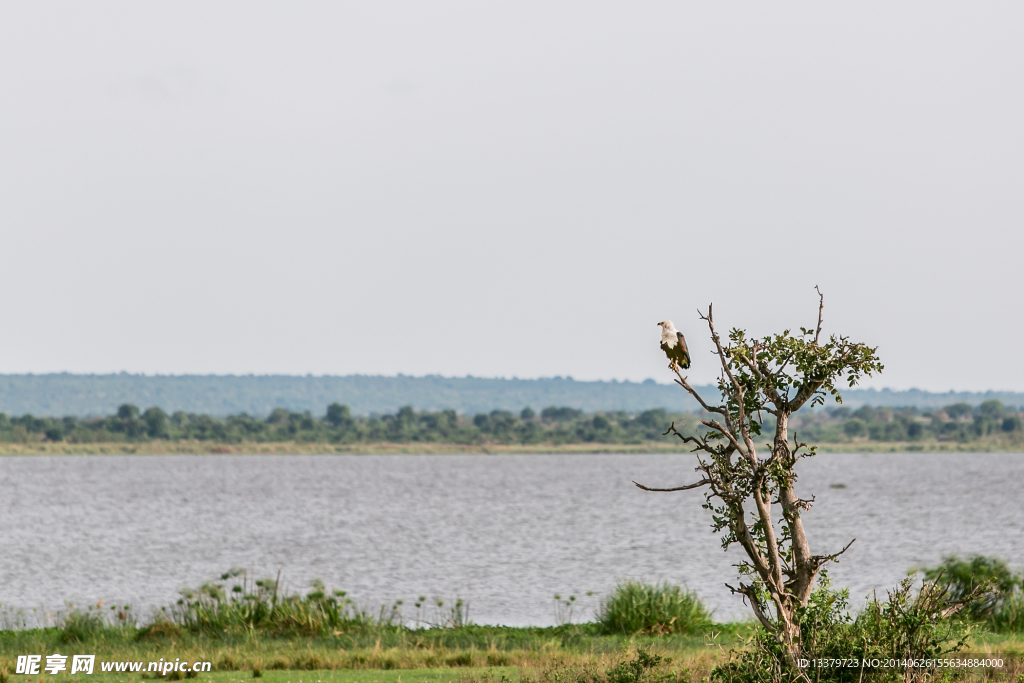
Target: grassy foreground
494 674
472 654
429 654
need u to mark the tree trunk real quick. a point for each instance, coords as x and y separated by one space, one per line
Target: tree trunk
797 588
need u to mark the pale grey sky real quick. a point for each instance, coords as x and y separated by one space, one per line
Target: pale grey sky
508 188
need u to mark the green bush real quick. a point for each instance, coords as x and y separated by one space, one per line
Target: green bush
907 625
1009 615
990 588
643 667
636 607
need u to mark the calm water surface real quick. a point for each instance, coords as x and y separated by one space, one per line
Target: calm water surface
503 532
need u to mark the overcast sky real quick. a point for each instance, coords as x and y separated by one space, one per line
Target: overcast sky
508 188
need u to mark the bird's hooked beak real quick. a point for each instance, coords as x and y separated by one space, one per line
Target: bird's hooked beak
661 324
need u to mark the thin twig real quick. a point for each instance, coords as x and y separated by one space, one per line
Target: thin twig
823 558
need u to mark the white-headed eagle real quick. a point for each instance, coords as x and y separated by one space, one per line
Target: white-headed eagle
674 345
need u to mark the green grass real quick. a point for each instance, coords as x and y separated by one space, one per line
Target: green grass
636 607
473 654
243 626
406 676
457 651
445 675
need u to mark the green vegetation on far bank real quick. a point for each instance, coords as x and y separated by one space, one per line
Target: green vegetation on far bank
552 426
957 427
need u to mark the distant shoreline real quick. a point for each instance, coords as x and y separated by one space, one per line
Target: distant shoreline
85 395
294 448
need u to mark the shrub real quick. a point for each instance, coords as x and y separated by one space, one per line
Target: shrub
460 659
643 667
1009 616
159 629
636 607
996 587
906 625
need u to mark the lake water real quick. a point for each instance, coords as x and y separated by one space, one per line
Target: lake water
503 532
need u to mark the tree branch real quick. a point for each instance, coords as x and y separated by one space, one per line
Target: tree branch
782 366
701 441
682 381
821 308
749 543
803 503
764 512
749 594
717 426
702 482
770 389
740 392
821 559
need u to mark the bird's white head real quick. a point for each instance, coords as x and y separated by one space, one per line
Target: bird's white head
668 333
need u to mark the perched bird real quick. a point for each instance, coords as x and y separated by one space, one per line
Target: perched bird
674 345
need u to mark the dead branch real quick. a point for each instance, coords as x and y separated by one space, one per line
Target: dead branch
804 504
821 309
702 482
682 381
821 559
700 441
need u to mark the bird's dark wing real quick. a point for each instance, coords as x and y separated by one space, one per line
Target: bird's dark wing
682 343
684 352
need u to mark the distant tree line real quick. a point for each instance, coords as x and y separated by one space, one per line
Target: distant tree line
554 425
959 422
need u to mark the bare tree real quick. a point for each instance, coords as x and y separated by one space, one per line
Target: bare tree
777 375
